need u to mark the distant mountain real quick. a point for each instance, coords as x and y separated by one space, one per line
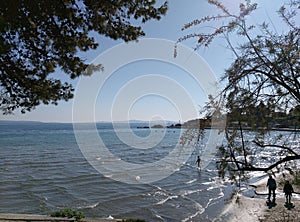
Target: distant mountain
144 121
19 122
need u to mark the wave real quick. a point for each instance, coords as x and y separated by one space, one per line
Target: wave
191 181
92 206
165 200
220 195
199 210
110 217
188 192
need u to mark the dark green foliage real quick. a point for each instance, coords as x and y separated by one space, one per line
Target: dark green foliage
69 213
263 117
40 37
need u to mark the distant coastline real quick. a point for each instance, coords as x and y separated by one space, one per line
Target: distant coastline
207 124
20 122
190 124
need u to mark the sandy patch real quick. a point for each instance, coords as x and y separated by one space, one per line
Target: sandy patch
243 208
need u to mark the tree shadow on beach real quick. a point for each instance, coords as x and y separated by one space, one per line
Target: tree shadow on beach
271 204
289 206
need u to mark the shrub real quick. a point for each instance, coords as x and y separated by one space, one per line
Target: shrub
69 213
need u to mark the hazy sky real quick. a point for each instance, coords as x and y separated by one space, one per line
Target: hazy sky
134 90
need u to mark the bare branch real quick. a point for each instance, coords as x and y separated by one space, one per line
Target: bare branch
272 166
277 146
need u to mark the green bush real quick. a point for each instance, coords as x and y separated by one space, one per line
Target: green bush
69 213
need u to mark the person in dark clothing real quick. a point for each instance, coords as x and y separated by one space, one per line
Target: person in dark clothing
271 184
288 190
198 162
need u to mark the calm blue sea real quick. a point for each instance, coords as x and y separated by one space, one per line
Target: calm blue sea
42 170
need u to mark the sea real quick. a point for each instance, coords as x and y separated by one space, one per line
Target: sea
43 169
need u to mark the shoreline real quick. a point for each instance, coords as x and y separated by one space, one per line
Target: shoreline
36 217
252 208
249 209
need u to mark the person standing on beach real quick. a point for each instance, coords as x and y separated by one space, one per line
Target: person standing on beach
198 161
288 190
271 184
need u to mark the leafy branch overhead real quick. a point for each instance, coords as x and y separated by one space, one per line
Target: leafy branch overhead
261 84
40 37
232 21
267 63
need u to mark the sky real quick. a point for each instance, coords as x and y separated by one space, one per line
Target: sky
152 85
